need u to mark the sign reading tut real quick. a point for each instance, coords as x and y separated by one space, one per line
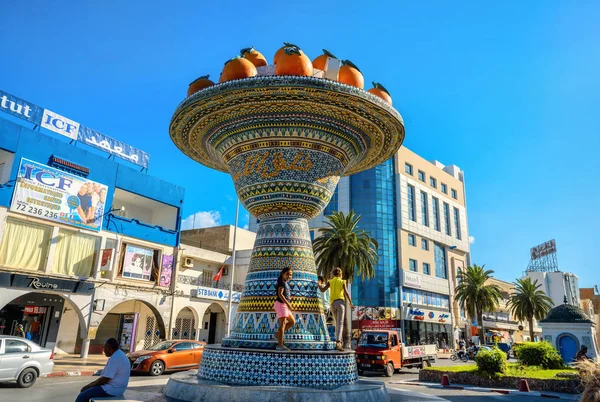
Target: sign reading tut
52 194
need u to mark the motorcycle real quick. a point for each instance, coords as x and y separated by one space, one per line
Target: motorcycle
459 354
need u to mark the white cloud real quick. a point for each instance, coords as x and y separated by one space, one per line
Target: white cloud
202 219
471 239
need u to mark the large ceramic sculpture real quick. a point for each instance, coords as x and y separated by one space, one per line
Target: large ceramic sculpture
286 141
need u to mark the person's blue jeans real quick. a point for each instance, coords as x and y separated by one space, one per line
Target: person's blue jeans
94 392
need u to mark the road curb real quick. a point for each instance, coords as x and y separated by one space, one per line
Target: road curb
71 374
500 391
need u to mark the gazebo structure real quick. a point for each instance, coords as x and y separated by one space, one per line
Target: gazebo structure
567 328
286 141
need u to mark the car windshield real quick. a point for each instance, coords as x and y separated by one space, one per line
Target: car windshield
162 345
374 340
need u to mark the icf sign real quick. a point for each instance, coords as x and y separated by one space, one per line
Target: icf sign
60 125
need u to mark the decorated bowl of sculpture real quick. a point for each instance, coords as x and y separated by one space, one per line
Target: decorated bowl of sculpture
286 140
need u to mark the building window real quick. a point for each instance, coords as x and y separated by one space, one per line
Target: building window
408 168
411 203
457 222
24 245
433 182
424 298
444 188
411 240
426 269
139 263
454 194
440 261
425 244
424 209
75 254
447 219
436 213
413 265
422 176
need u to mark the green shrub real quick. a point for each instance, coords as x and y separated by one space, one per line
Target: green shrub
540 354
491 362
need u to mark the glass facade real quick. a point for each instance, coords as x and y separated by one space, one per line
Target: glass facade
424 209
411 203
439 254
435 203
447 219
333 204
457 223
423 298
373 196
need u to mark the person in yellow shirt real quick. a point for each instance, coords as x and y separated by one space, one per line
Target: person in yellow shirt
338 296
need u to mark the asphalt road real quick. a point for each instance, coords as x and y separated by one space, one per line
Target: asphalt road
65 389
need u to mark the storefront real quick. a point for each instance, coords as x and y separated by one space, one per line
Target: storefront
426 327
40 305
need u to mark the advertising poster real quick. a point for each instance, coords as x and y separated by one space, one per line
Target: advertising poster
45 192
376 317
166 270
137 263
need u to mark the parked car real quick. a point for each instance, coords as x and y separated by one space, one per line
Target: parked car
23 361
505 347
167 356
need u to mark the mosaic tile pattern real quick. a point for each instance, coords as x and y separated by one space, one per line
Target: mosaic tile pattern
286 141
242 367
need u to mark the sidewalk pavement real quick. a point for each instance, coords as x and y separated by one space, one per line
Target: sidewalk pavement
72 365
504 391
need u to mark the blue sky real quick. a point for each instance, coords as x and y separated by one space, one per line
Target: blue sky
509 92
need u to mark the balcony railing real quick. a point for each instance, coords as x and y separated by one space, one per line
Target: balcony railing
208 283
495 319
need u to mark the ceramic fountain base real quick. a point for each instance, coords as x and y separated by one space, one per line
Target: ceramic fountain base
187 387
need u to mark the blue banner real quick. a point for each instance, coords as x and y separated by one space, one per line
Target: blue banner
19 108
61 125
98 140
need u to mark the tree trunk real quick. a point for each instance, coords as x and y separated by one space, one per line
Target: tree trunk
530 328
481 329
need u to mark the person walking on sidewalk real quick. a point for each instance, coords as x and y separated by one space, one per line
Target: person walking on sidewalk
283 308
113 379
338 295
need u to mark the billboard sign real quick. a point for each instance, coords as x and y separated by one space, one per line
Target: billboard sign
137 263
167 270
217 294
543 249
48 193
19 108
61 125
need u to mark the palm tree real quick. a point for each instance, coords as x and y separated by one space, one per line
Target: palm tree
343 245
528 302
475 296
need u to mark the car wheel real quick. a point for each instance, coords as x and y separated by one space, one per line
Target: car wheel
389 369
157 368
27 378
426 363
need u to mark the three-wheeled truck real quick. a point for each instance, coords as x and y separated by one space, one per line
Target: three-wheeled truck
383 350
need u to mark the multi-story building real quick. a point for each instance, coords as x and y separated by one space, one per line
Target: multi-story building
416 210
500 325
557 285
87 244
201 303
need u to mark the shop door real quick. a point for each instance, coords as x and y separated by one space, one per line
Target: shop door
212 328
128 332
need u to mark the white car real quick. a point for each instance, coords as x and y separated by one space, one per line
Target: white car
23 361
